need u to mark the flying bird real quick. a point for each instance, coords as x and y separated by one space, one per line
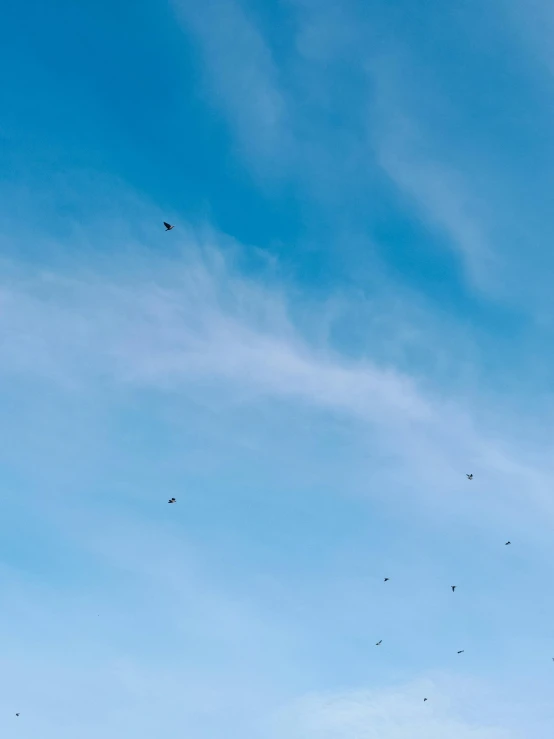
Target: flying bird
168 226
17 714
386 579
469 477
379 642
506 544
172 500
461 651
453 587
424 700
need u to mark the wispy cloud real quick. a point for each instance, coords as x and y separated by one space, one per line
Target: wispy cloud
195 323
383 714
408 137
439 193
453 160
219 349
314 411
242 77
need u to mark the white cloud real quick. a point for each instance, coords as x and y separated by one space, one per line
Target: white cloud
381 714
532 23
203 321
197 329
410 151
450 152
242 75
443 199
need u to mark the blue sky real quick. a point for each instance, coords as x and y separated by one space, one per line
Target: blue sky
353 311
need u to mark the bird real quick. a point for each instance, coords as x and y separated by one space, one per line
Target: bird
453 587
461 651
386 579
168 226
17 714
506 544
379 642
424 700
172 500
469 477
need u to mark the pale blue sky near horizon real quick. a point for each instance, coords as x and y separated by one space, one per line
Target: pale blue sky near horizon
353 311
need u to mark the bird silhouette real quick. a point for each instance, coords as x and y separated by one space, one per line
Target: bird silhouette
453 587
379 642
469 477
386 579
461 651
17 714
168 226
172 500
424 700
506 544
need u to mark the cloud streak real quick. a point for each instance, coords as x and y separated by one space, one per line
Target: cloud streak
195 324
243 78
382 714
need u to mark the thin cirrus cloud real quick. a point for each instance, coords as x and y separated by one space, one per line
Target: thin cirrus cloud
419 128
244 83
195 329
316 433
384 714
197 323
242 77
458 133
444 201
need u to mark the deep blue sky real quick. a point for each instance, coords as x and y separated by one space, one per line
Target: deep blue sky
353 310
